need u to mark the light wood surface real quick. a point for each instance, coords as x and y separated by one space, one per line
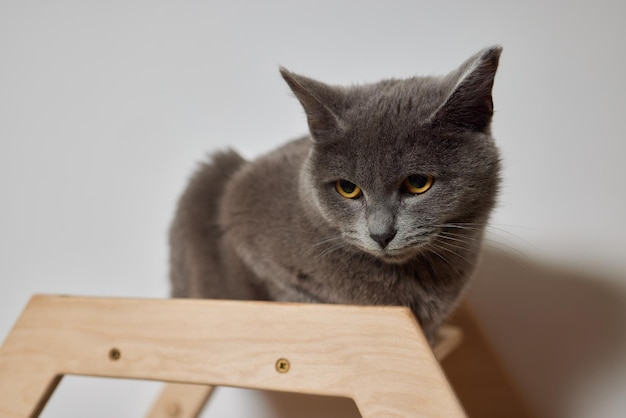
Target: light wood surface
377 356
187 401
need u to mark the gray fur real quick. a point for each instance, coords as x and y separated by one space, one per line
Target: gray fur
276 228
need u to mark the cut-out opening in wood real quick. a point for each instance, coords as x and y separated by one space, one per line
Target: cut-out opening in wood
270 404
376 356
96 397
244 403
99 397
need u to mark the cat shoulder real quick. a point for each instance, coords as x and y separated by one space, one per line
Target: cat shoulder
268 183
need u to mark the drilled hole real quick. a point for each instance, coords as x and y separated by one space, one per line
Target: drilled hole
115 354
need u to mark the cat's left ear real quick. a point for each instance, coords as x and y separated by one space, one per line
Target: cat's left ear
469 105
322 105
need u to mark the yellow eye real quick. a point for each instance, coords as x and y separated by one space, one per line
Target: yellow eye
417 183
347 189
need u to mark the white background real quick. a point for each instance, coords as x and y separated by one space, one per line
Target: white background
105 108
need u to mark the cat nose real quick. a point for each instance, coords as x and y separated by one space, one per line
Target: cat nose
384 238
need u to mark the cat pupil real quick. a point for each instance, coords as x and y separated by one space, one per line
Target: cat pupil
418 181
347 186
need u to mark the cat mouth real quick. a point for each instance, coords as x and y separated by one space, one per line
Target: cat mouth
402 255
390 254
394 255
397 258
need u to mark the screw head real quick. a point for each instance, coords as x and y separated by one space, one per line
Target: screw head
282 365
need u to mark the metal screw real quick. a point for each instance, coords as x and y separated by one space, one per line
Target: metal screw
115 354
282 365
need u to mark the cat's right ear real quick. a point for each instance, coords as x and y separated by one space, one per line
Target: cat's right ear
322 105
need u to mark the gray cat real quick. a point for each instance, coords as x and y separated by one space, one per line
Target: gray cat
384 203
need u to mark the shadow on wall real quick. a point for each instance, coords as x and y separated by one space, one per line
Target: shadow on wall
556 330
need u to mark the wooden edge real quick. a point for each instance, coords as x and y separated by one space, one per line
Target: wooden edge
377 356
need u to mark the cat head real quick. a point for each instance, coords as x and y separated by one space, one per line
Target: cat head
393 163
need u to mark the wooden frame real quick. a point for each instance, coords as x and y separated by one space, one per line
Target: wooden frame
377 356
